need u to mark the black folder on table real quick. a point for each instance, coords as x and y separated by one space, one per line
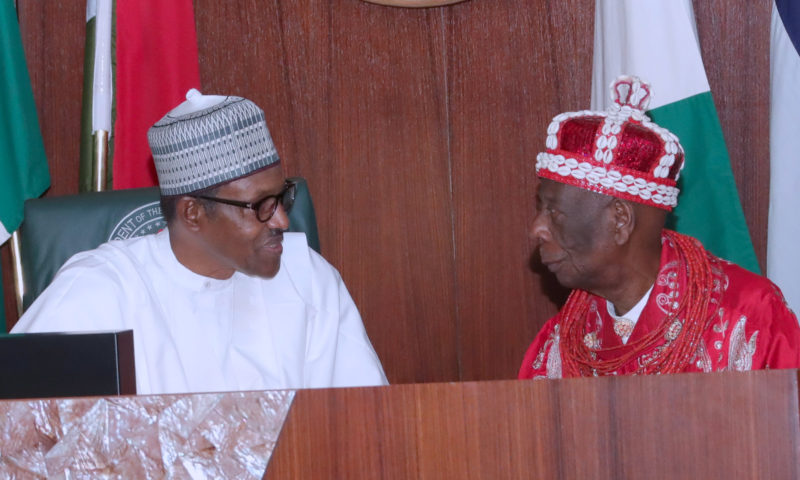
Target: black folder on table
37 365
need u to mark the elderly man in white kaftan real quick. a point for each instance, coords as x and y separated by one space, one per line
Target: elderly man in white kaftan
222 299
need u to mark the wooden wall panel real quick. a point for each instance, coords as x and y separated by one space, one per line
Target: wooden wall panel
734 38
53 36
354 95
417 130
512 67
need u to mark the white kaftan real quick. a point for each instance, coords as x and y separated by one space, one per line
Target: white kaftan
198 334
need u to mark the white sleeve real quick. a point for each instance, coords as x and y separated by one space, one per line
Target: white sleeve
340 353
84 296
92 294
357 364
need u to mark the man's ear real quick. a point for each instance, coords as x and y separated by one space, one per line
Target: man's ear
624 220
190 213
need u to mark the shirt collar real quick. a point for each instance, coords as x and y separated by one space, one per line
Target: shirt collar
183 275
634 313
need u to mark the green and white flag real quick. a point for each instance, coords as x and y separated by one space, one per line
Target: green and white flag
23 165
656 40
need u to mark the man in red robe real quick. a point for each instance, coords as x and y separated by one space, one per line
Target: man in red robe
645 299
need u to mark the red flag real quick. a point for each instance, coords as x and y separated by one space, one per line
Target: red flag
157 64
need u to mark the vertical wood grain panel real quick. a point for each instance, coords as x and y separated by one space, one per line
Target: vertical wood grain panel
513 66
354 97
734 39
53 36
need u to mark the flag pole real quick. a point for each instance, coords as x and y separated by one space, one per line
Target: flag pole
16 261
100 153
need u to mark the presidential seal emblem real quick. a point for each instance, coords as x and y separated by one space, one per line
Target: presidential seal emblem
141 221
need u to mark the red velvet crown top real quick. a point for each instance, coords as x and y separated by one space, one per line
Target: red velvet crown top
619 152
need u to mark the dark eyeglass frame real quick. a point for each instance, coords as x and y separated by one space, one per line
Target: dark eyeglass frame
285 198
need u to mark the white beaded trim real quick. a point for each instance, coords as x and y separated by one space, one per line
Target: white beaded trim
648 191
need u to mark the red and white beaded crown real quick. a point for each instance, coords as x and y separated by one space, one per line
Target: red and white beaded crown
619 152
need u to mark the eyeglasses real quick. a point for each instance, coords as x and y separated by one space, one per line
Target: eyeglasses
267 206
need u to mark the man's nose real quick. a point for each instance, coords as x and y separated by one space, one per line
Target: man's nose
279 219
539 231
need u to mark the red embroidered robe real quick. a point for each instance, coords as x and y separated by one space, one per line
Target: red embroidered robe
752 327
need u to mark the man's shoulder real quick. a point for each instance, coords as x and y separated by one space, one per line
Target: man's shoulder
745 287
117 252
739 276
116 265
90 291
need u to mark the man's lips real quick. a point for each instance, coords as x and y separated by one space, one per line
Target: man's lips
552 262
275 243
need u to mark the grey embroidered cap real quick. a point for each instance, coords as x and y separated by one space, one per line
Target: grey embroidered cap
208 140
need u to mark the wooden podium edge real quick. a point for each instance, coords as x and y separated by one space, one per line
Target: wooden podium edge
718 425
